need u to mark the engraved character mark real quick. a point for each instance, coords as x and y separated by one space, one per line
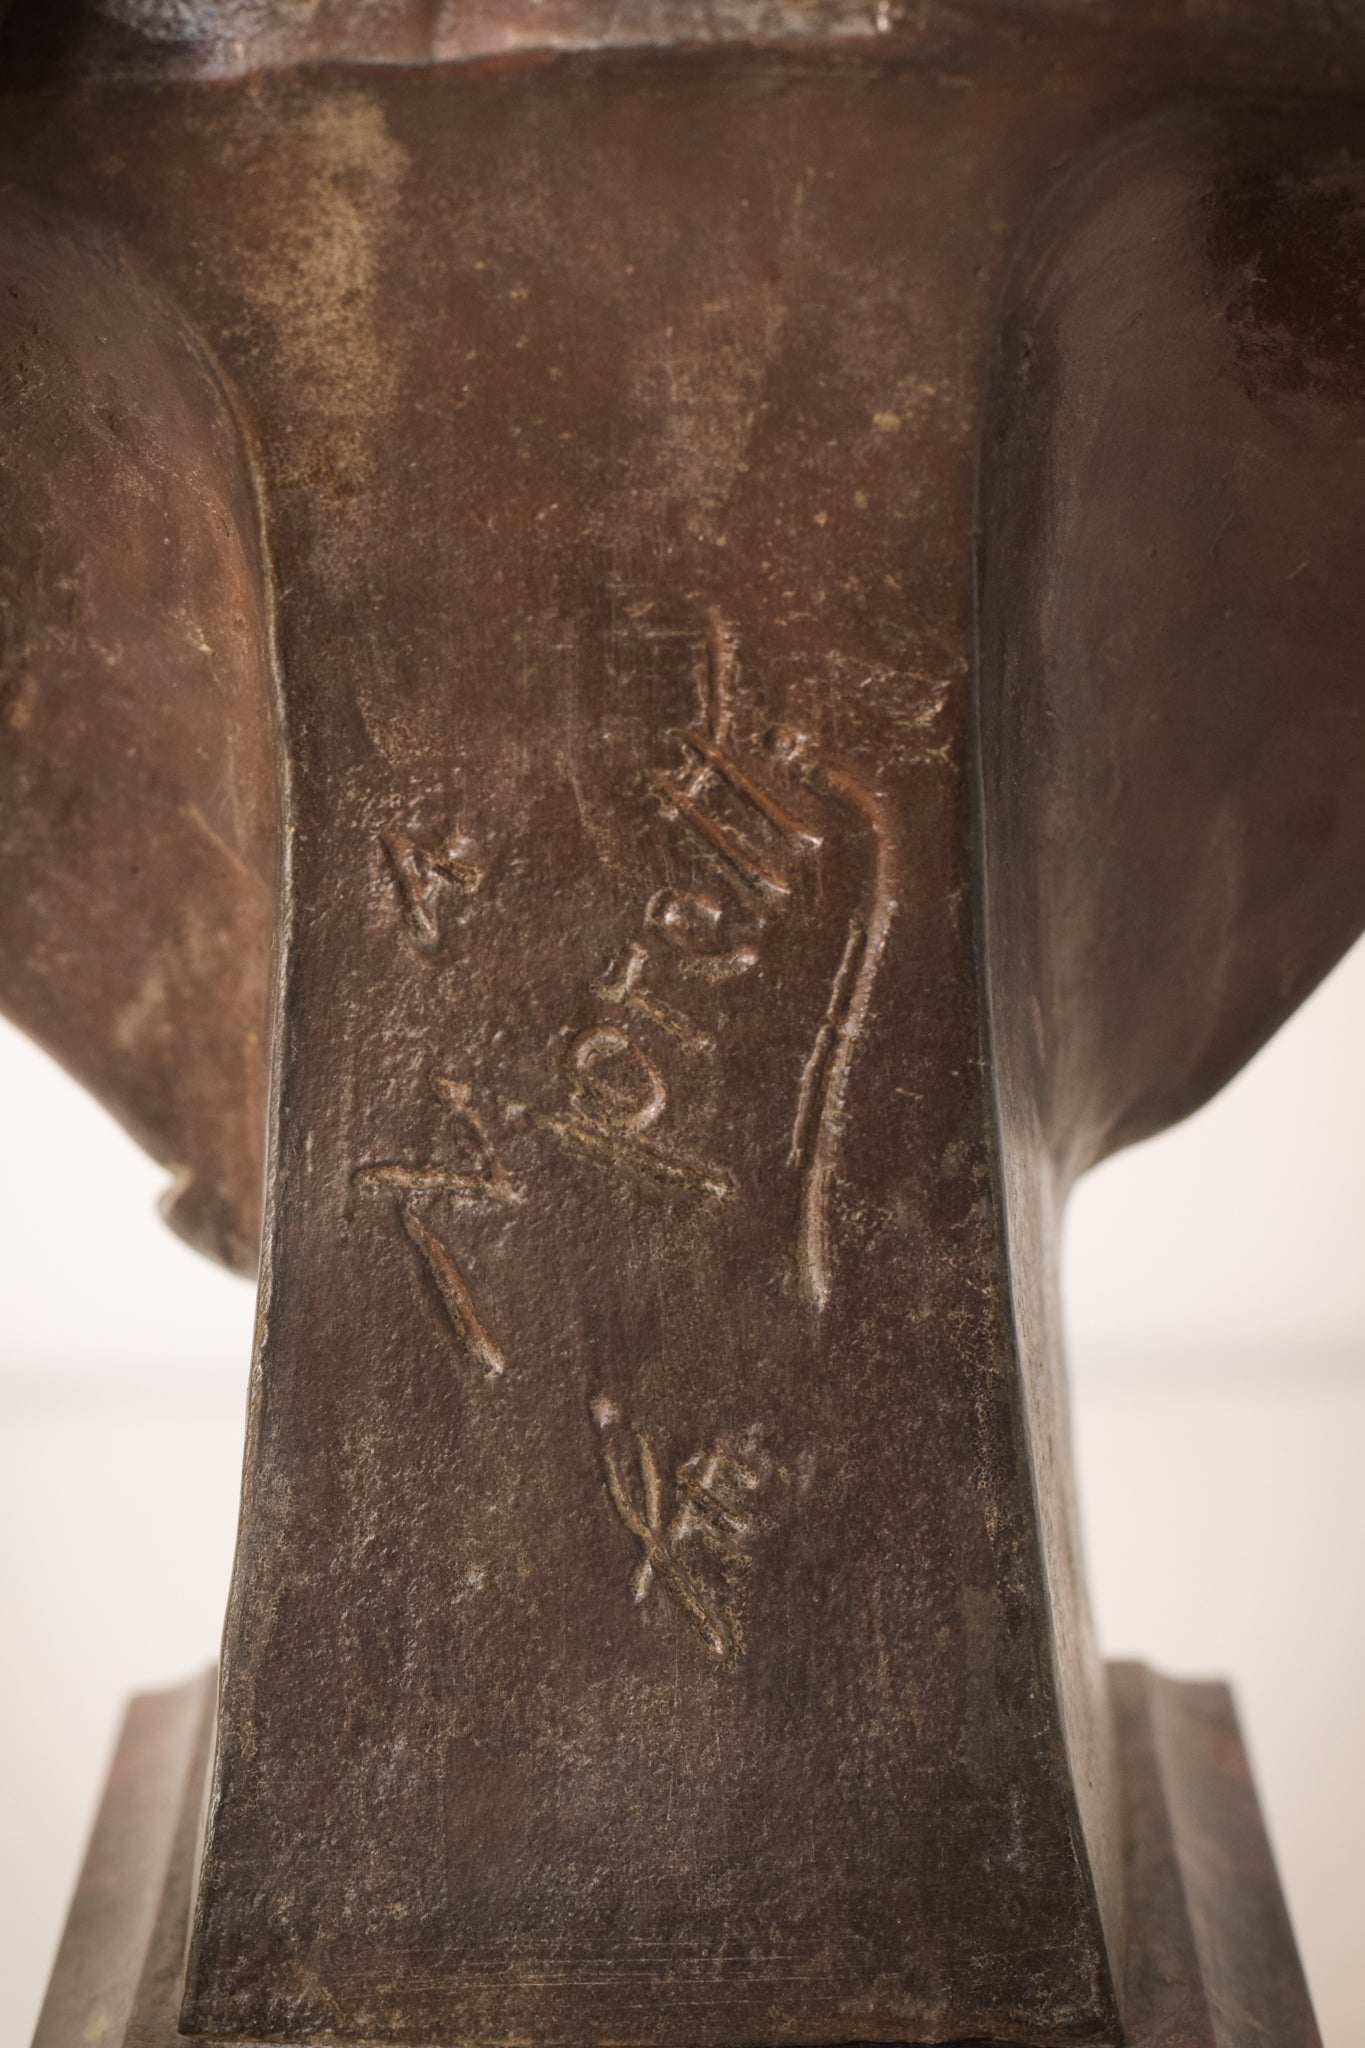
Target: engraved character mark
820 1112
424 873
682 795
626 988
714 1490
711 1499
415 1187
689 921
595 1059
618 1094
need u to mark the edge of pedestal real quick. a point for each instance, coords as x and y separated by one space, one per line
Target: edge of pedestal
1217 1963
131 1893
1216 1967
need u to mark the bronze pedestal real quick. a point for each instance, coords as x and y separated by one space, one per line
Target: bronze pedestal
731 642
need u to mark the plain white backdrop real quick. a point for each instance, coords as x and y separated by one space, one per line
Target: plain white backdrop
1216 1309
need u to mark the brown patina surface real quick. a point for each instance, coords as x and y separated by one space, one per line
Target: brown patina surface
804 595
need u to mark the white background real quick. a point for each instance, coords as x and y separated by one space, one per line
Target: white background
1216 1305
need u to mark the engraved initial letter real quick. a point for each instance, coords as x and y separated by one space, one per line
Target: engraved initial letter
486 1186
422 873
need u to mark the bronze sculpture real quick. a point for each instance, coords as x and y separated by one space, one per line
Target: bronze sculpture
771 594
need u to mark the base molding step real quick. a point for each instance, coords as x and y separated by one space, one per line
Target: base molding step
1211 1957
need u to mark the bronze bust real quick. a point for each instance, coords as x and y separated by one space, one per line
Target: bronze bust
721 644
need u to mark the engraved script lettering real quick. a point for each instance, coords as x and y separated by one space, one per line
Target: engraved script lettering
592 1058
605 1124
682 796
689 922
611 1108
617 1112
627 988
